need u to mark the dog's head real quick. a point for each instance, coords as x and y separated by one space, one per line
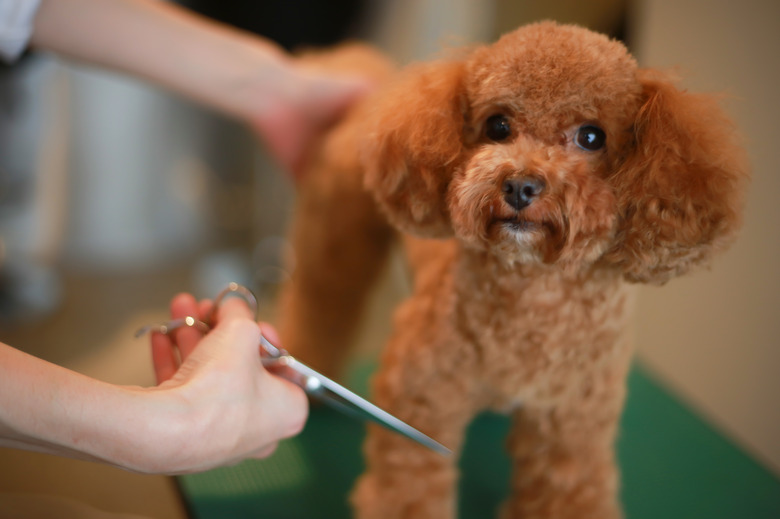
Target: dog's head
551 146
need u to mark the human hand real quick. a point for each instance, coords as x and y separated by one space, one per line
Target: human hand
234 409
238 74
306 103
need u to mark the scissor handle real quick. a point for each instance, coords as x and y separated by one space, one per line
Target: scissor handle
232 288
205 326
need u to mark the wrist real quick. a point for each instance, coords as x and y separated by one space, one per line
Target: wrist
185 430
170 437
262 85
154 440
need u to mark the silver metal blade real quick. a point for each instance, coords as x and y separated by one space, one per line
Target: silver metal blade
337 396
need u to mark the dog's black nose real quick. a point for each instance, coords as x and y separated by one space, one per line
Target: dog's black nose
521 192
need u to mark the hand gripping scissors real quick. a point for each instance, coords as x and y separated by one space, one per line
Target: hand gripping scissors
316 385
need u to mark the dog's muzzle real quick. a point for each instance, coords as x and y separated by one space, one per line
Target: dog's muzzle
521 192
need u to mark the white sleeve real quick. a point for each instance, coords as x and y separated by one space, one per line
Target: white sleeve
16 24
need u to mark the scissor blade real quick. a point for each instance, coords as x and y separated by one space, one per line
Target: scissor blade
272 350
341 398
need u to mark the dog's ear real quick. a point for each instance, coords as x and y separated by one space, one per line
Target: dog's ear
680 187
414 140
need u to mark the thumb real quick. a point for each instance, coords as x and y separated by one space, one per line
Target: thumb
233 308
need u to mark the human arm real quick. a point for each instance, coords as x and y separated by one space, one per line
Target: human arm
220 407
234 72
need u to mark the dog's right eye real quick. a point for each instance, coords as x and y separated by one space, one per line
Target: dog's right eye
497 128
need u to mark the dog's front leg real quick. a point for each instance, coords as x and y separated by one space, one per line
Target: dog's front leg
563 457
404 480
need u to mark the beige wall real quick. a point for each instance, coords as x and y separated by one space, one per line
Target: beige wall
715 336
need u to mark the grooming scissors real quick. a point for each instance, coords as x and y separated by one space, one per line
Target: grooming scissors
315 384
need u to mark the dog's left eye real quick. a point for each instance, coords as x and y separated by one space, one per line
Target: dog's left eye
590 138
497 128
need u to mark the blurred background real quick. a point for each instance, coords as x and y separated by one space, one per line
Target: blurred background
115 195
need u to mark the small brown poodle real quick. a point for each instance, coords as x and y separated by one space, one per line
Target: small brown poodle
531 181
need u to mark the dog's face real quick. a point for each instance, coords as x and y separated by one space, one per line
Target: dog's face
549 113
552 147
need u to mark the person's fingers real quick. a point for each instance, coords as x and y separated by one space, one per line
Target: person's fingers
205 307
291 396
318 100
164 357
270 333
286 372
186 338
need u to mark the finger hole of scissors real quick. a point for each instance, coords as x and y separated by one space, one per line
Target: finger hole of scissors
234 289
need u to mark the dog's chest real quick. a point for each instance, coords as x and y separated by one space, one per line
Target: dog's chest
530 330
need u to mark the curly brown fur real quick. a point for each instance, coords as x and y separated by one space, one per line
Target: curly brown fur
521 230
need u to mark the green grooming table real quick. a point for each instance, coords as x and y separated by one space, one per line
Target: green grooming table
674 465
